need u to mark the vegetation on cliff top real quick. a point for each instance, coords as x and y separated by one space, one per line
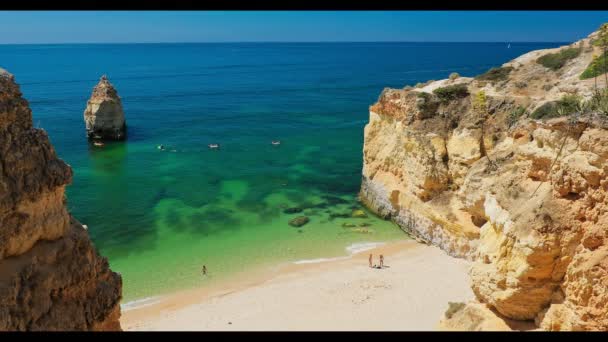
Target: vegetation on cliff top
598 66
552 109
495 74
454 76
515 114
598 103
426 104
420 84
556 61
452 92
571 104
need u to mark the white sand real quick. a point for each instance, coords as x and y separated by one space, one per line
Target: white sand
411 294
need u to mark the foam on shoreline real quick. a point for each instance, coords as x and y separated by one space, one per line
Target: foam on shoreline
352 250
139 303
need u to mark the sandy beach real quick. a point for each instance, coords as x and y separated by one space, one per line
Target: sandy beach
410 293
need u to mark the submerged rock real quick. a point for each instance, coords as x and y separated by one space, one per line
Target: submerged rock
333 215
365 224
299 221
104 117
292 210
348 225
335 200
311 212
363 231
359 214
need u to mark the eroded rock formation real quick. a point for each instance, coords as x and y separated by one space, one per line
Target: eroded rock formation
104 117
526 200
51 277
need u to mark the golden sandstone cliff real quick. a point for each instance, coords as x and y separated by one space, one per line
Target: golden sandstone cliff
509 170
51 277
104 117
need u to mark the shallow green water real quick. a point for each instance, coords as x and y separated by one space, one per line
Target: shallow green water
229 225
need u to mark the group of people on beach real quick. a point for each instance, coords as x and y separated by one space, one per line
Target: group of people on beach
371 257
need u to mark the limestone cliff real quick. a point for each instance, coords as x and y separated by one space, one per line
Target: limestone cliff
104 117
51 277
473 166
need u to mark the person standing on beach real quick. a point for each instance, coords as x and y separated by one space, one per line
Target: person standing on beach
370 260
204 270
381 261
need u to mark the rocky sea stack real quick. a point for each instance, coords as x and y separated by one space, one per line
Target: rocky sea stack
51 276
509 170
104 117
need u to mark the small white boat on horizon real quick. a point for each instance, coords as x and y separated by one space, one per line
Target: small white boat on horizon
214 146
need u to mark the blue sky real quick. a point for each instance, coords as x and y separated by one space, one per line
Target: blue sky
248 26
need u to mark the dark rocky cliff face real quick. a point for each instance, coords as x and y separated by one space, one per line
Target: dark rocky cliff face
51 276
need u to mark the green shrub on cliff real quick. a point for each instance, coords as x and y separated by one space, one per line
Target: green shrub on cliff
515 114
495 74
454 76
599 102
567 105
423 95
556 61
426 104
479 103
546 110
422 85
452 92
597 67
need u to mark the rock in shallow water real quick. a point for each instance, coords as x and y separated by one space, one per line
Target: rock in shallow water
338 215
359 214
103 116
293 210
299 221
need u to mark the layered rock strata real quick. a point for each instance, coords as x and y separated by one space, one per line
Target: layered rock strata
104 116
51 277
525 200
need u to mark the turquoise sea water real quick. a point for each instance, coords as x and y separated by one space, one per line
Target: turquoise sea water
160 215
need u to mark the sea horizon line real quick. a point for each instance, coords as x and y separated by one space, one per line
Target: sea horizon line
295 42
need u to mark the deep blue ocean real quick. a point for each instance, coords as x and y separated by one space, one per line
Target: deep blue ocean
159 215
